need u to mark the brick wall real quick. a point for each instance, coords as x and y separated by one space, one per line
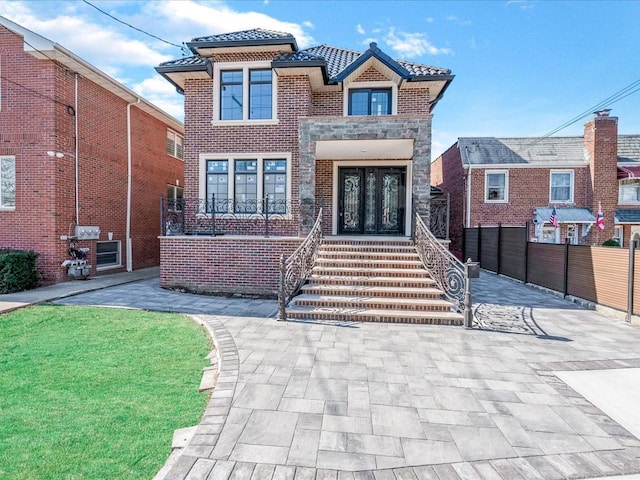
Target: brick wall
245 265
38 114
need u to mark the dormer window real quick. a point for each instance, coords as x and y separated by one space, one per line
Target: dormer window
370 101
244 93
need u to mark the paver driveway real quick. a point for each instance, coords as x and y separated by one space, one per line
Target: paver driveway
351 400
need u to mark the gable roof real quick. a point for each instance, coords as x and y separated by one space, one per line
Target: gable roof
538 151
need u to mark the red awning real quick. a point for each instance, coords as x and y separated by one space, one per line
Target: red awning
628 172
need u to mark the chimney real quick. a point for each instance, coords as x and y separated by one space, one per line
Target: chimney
601 148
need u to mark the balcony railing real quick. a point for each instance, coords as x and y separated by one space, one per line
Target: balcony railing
212 216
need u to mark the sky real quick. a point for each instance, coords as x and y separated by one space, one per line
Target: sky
522 68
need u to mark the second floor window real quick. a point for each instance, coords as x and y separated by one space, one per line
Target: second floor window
496 187
175 144
368 101
629 191
246 94
561 187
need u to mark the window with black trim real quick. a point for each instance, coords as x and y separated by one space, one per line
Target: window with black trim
254 84
246 186
370 101
218 184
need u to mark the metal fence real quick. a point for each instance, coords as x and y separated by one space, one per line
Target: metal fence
197 216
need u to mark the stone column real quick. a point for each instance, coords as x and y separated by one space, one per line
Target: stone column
307 178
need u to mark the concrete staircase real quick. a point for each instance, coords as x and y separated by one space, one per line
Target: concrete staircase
371 279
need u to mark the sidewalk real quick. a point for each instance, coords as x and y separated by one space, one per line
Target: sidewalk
13 301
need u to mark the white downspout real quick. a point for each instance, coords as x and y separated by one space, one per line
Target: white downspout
75 151
128 227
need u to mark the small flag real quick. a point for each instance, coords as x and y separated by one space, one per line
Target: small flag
553 219
600 219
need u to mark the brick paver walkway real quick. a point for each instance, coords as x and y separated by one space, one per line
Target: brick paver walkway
325 400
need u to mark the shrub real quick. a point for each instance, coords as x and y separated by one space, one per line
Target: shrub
611 243
17 270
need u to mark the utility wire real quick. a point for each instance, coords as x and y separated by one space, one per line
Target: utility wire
181 47
630 89
5 79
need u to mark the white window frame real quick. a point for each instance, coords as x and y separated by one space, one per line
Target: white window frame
506 186
245 67
173 136
549 234
618 234
109 266
375 85
4 206
571 186
231 158
625 182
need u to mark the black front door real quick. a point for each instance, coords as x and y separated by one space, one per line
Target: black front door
371 201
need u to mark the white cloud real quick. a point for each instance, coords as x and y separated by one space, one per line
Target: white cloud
162 94
214 18
308 24
409 45
429 19
360 30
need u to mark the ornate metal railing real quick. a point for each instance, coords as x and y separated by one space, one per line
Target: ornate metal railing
449 273
439 217
295 270
212 216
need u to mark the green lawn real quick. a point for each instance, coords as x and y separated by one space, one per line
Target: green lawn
95 393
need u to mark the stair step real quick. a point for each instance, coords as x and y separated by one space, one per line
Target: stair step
360 262
367 241
369 255
376 303
380 281
370 272
367 248
372 290
374 315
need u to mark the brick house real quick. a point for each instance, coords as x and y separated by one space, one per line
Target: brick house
324 126
84 160
511 181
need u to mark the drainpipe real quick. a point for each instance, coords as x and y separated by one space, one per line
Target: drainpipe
75 151
128 227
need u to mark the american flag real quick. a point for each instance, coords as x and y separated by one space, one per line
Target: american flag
600 219
553 219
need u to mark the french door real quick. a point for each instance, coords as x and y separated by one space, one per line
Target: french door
371 201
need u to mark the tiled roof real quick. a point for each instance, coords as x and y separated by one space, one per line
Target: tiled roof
498 151
192 61
629 148
339 59
538 150
244 36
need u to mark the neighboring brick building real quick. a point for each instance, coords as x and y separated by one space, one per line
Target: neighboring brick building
78 149
322 126
511 181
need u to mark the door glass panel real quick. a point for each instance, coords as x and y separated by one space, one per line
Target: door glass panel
351 222
370 203
389 222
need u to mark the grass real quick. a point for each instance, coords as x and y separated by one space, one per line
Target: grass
95 393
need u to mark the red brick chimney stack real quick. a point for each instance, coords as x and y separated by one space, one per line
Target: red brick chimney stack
601 147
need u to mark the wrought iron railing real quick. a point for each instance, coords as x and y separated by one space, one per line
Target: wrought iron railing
212 216
295 270
439 217
449 273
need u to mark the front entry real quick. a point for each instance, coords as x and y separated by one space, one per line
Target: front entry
371 201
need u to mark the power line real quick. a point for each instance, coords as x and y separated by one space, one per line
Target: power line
181 47
624 92
5 79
